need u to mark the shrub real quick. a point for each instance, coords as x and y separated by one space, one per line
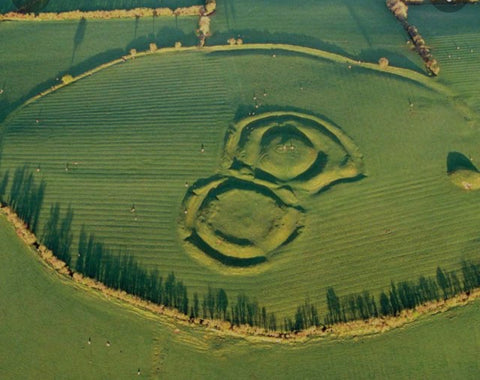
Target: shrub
383 63
67 78
153 47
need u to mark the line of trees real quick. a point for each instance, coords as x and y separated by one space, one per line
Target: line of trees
402 295
400 10
120 270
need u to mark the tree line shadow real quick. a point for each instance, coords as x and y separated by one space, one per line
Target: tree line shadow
165 37
118 270
260 37
25 195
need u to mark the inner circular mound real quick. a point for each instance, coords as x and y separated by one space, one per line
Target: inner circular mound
287 147
230 216
286 152
238 223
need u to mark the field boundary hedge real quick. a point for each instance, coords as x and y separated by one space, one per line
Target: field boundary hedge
194 10
338 330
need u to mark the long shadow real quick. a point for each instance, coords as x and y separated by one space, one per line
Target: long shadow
197 241
395 59
57 234
137 21
243 110
458 161
238 184
264 36
317 167
341 180
358 21
230 12
25 195
90 63
5 108
79 36
165 37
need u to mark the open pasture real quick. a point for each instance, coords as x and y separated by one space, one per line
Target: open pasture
73 47
365 30
455 40
142 132
402 220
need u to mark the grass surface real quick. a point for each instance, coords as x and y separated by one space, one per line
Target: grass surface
74 47
365 29
407 190
46 323
136 138
455 42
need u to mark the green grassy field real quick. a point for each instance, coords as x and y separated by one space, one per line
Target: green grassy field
93 5
455 40
132 136
46 322
362 29
72 47
400 222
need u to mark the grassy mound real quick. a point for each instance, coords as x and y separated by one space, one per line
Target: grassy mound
462 172
302 150
285 152
235 222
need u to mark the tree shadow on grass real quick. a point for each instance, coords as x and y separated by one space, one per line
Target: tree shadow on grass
7 107
458 161
358 21
264 37
79 36
230 12
165 37
395 59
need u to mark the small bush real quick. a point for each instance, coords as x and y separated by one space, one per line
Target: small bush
67 79
383 63
153 47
